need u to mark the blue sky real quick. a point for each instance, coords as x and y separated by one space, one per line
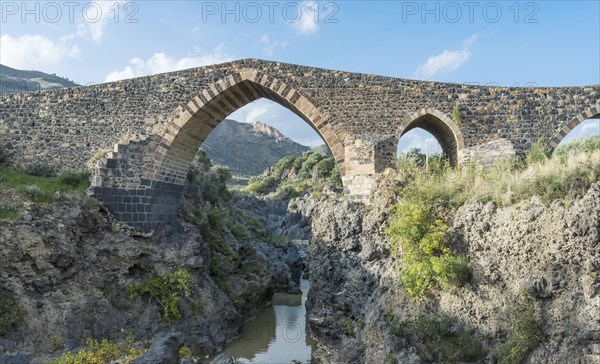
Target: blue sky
546 43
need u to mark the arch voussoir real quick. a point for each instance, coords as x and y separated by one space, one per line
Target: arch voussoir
590 113
447 132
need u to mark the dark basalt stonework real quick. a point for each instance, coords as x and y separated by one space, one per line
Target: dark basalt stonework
151 126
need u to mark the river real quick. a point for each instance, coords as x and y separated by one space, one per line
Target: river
277 334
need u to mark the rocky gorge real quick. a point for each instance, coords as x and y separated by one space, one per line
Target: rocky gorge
73 272
70 272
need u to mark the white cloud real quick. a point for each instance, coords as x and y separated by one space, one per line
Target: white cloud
308 18
255 112
269 46
96 16
36 51
591 127
161 62
447 61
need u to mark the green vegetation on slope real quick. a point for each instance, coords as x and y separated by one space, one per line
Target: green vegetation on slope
166 291
417 236
33 183
298 176
445 339
429 193
11 314
524 332
209 205
14 80
568 172
102 352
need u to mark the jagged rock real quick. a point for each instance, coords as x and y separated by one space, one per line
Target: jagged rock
16 358
223 358
551 252
70 273
257 146
164 349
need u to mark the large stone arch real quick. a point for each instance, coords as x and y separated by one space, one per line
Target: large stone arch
590 113
197 118
442 127
142 182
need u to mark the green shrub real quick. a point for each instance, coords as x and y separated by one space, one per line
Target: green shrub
457 115
73 178
34 192
223 173
102 352
185 352
295 177
325 167
419 235
218 273
166 291
261 185
447 340
8 210
335 180
538 153
284 164
216 219
256 226
524 332
56 342
239 231
348 326
40 169
11 314
391 358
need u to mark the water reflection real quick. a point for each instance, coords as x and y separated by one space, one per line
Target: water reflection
277 334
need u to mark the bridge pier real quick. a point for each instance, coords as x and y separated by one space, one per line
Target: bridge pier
118 181
365 159
142 207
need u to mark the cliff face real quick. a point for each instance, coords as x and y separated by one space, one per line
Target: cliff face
359 312
69 270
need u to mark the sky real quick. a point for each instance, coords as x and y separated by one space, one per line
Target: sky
508 43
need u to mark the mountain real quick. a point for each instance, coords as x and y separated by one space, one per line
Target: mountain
249 149
13 81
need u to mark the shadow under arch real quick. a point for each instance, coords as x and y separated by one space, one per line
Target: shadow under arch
442 127
590 113
196 119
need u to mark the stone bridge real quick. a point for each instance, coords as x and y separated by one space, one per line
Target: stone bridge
145 131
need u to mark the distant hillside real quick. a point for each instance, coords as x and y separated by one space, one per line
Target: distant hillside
13 80
249 149
322 150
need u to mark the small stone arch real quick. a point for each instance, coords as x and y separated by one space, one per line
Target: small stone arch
196 119
591 113
442 127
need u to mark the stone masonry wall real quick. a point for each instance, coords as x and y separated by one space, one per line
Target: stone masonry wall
66 127
361 118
